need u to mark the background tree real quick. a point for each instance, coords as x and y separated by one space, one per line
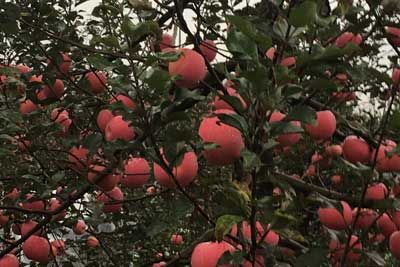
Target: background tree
202 133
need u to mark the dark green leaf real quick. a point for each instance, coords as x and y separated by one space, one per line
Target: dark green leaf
304 14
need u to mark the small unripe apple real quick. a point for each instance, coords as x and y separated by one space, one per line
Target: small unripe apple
190 67
97 81
92 242
27 106
207 254
118 128
176 239
184 173
355 149
209 49
37 249
136 172
80 227
103 118
287 139
335 220
78 157
107 182
9 260
108 197
229 139
377 191
325 126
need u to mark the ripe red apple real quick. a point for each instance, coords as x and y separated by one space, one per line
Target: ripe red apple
394 244
336 179
57 247
31 204
23 69
118 128
37 249
348 37
184 173
125 100
272 238
136 172
221 104
288 62
176 239
64 65
80 227
151 190
229 139
92 242
386 225
376 191
9 260
111 196
78 157
209 49
207 254
394 35
54 205
52 91
337 250
355 149
62 118
270 53
36 79
334 150
3 219
365 219
107 182
396 76
333 219
190 67
27 106
289 138
325 126
97 81
311 171
13 194
27 226
167 41
103 118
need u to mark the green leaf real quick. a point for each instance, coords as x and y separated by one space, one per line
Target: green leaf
313 258
235 121
98 62
304 14
304 114
224 225
280 27
240 44
395 120
250 160
157 78
139 30
375 257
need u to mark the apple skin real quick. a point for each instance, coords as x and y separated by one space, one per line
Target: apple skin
125 100
80 227
337 250
136 172
386 225
190 66
333 219
92 242
221 104
9 260
55 91
365 219
103 118
336 179
334 150
3 219
113 195
57 247
325 126
376 192
28 226
207 254
394 35
287 139
97 81
396 76
270 53
117 128
55 204
348 37
107 182
37 249
177 239
356 150
209 49
394 244
184 173
78 157
27 106
64 65
167 41
288 62
229 139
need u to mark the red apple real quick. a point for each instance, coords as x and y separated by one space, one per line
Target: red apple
97 81
57 247
336 179
207 254
167 41
221 104
270 53
176 239
396 76
27 106
190 67
209 49
288 62
289 138
334 150
9 260
355 149
118 128
386 225
80 227
107 182
52 91
125 100
92 242
108 197
103 118
54 205
337 250
325 126
229 139
394 244
365 219
376 191
335 220
27 226
136 172
37 249
78 157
